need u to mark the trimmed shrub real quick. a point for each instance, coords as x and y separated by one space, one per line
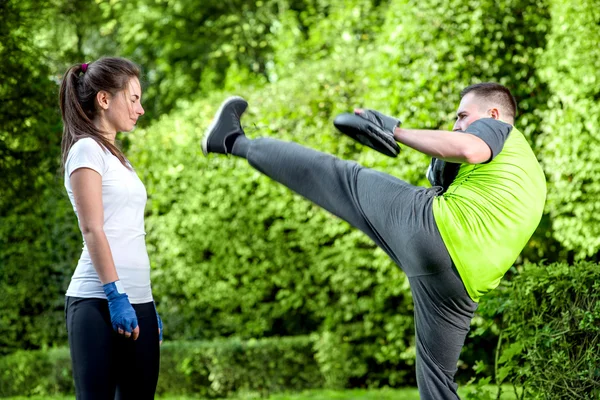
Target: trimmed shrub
210 369
570 151
549 322
235 254
224 367
37 372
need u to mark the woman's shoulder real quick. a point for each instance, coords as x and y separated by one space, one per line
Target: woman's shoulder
86 144
87 147
86 152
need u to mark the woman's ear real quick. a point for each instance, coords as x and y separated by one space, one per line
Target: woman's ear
103 99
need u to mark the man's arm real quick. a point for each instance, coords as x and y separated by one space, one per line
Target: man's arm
456 147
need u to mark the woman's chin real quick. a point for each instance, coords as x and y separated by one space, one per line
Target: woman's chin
129 129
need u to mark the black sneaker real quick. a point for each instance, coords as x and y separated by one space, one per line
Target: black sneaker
226 127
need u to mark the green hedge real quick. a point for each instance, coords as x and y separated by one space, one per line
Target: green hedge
549 322
293 269
235 254
224 367
547 318
210 369
570 151
38 372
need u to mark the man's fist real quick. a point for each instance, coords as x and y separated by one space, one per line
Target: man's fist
370 128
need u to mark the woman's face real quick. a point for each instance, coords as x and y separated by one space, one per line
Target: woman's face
125 108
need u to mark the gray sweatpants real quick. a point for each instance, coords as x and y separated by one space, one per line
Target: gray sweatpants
398 217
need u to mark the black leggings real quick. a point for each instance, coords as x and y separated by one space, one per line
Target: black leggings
105 364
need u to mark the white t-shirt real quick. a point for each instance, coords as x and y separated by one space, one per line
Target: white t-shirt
124 200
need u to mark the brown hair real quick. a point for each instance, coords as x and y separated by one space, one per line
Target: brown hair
496 93
80 85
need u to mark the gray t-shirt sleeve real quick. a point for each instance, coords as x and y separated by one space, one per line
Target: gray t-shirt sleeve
492 131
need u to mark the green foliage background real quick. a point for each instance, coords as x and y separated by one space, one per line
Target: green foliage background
233 254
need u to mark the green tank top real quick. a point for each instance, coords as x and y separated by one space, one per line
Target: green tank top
489 212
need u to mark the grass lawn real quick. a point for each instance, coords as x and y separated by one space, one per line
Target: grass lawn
382 394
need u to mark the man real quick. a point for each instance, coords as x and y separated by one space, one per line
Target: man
454 240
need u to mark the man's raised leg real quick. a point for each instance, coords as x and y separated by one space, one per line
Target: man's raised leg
397 216
327 181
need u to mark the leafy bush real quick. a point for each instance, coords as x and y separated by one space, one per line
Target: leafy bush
549 322
234 254
211 369
38 372
224 367
38 230
571 155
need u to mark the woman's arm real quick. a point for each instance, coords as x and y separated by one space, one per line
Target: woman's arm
87 191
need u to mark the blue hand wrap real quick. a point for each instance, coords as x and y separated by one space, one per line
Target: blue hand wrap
160 324
122 314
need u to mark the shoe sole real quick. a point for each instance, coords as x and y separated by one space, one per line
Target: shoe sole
214 122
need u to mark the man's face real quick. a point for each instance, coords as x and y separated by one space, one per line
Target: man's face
470 110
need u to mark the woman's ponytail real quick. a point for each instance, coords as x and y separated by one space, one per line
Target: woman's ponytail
80 85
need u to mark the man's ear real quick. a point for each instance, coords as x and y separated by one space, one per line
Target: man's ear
494 113
103 99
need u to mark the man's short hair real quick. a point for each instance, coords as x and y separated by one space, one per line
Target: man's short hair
495 93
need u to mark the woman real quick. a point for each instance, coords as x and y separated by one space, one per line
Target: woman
113 327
